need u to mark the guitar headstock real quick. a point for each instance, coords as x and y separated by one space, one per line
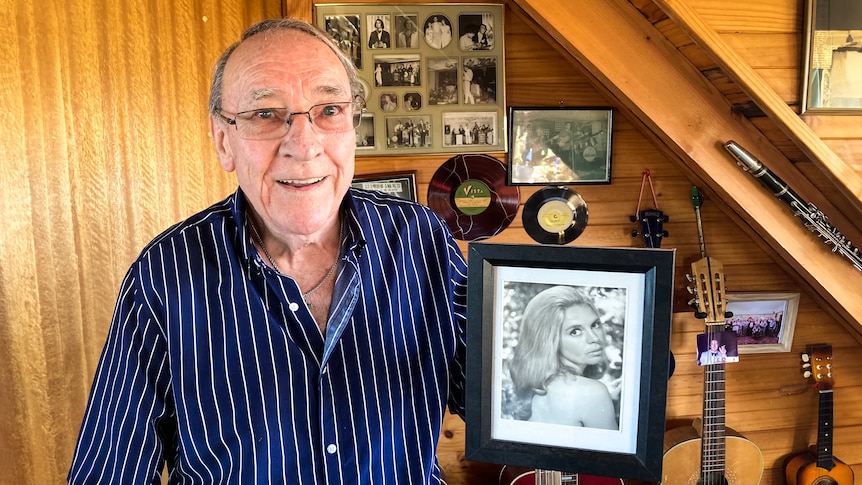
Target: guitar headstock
708 288
817 364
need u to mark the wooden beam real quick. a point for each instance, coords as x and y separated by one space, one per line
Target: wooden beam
646 73
844 177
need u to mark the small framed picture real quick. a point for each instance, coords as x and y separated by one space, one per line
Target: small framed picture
365 133
379 31
469 129
762 322
400 184
479 79
346 32
406 31
408 132
396 70
559 146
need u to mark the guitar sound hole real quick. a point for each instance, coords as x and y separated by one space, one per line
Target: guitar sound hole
824 481
713 479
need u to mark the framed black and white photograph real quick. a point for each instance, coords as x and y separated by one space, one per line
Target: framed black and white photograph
560 146
404 132
570 357
365 133
412 101
437 31
396 70
406 31
476 30
479 80
468 129
442 81
388 102
416 60
379 31
400 184
762 322
347 33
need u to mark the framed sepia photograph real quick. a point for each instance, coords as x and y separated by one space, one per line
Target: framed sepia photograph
559 146
832 56
570 360
432 60
469 129
762 322
406 132
400 184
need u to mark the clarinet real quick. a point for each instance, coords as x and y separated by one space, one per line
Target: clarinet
812 218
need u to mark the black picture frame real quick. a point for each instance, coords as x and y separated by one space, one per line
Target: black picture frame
643 279
559 145
401 184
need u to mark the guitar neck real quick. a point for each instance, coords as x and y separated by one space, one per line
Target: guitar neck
824 431
714 431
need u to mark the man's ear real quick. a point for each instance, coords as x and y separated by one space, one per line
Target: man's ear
222 144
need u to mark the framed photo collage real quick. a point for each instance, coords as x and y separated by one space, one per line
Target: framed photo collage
432 75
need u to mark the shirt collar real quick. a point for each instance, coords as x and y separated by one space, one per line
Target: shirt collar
354 233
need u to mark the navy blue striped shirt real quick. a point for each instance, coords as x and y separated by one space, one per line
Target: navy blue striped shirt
214 364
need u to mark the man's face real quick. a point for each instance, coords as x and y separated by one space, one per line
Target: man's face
295 183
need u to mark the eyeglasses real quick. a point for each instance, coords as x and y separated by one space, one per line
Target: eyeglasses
272 123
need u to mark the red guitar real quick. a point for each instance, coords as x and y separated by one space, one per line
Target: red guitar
817 466
524 476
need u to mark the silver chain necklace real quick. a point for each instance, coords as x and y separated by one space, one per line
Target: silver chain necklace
275 266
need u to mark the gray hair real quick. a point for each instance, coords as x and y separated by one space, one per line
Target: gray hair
278 25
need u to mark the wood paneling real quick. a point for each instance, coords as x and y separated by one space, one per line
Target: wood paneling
105 144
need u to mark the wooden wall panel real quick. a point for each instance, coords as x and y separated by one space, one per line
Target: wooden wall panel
105 144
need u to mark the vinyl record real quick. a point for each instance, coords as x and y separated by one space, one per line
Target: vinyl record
555 215
470 194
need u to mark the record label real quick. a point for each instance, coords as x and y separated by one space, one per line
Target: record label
555 215
470 193
472 197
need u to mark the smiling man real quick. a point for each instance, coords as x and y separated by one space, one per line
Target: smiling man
300 331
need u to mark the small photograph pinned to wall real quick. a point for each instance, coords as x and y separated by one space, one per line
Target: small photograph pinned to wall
442 81
469 128
437 31
476 31
400 70
388 101
406 31
717 347
408 132
412 101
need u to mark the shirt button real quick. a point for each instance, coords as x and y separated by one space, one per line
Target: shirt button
331 449
293 306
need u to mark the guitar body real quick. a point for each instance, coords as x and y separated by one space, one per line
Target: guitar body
681 462
802 469
525 476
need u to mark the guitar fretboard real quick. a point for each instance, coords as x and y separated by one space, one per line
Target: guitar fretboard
714 431
824 431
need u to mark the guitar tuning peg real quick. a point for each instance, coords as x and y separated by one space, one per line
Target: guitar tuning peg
700 315
806 365
691 290
728 314
807 374
689 277
805 357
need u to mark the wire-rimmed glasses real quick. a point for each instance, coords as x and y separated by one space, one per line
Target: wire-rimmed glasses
272 123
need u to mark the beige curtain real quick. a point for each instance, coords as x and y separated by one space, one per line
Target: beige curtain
104 143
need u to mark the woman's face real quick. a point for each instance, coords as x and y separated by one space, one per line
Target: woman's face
582 337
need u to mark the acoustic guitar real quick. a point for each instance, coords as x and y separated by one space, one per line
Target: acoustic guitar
717 455
525 476
817 466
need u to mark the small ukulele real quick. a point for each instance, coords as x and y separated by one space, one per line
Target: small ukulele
817 466
524 476
651 221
